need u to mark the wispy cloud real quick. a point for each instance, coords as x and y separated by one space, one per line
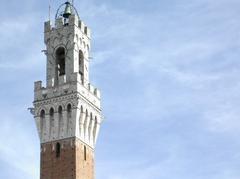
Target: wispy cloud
168 71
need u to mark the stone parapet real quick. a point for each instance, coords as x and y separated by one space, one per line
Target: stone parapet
75 86
73 21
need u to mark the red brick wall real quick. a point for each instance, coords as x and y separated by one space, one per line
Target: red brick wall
70 164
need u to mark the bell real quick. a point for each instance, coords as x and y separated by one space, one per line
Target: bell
68 10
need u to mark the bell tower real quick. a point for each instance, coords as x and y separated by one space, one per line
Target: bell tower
67 111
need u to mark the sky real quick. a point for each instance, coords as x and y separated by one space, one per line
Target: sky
169 74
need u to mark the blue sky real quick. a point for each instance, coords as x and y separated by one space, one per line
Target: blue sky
169 72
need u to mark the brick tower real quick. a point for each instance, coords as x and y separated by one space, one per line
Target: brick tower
67 111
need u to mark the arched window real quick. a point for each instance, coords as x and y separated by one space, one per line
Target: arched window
51 114
60 61
42 121
69 109
60 109
42 114
80 60
58 150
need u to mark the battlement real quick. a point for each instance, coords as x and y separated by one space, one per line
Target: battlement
73 21
87 91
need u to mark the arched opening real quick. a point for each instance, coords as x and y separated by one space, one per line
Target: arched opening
42 113
51 112
69 109
60 61
51 115
42 122
81 63
58 150
60 109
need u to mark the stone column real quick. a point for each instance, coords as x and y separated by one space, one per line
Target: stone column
87 120
81 124
97 131
91 127
75 122
56 125
38 123
46 128
65 125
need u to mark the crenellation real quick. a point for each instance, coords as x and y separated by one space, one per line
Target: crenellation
84 29
90 88
87 31
37 85
81 25
97 93
91 92
59 23
73 20
47 26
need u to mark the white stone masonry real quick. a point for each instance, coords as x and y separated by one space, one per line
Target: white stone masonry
69 106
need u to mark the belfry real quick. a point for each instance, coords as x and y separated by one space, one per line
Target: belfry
67 111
